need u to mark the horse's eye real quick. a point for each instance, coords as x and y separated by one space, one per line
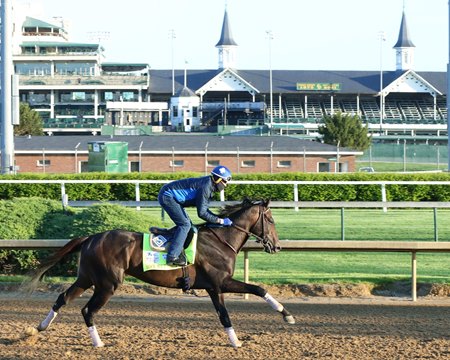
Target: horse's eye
271 220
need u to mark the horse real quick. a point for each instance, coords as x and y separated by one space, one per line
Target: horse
107 257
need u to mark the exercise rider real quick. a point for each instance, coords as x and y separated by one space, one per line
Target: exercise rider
177 195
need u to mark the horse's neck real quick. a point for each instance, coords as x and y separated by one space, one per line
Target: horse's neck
238 237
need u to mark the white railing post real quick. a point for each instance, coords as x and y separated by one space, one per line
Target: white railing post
64 197
413 276
296 196
138 194
246 270
383 195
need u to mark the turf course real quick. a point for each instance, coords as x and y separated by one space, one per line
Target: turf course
351 267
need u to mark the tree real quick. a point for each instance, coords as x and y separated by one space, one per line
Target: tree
30 122
346 129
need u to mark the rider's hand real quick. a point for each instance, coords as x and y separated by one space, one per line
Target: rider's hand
227 222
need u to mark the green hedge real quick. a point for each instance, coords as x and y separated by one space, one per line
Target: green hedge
109 192
38 218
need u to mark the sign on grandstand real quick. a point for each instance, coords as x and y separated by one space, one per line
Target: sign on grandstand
318 86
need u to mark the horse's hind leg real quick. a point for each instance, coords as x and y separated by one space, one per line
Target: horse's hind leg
235 286
95 303
219 304
74 291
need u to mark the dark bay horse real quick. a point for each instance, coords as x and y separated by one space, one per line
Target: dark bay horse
106 258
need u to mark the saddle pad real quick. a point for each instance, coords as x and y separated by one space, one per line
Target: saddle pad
155 259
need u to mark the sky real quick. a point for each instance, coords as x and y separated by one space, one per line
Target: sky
307 34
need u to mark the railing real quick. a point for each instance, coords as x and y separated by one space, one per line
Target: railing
412 247
294 184
297 245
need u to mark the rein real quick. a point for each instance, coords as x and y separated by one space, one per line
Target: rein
262 239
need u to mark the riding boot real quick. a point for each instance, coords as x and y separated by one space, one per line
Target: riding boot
177 261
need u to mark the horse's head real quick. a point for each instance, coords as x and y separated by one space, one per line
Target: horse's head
264 227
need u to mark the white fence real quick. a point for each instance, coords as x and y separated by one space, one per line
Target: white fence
298 245
295 185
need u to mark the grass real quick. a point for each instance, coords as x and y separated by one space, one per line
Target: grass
347 267
380 166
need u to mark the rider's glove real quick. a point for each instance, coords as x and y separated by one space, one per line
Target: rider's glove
226 222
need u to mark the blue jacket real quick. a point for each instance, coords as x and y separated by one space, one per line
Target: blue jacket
193 192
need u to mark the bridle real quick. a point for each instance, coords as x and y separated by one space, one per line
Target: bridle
264 239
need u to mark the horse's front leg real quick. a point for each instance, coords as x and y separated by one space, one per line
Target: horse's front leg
235 286
219 304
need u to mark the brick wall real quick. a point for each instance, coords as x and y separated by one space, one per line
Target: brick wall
65 163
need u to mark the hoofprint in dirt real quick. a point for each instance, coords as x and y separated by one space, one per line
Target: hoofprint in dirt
175 327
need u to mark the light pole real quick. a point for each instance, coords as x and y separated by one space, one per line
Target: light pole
382 37
270 38
448 97
172 36
6 72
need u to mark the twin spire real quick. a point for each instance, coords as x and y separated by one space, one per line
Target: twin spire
404 48
227 46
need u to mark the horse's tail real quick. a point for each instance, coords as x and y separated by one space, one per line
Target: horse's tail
72 246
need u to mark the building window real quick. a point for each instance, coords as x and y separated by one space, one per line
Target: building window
213 163
194 111
42 163
175 111
248 163
177 163
134 166
324 167
84 166
284 164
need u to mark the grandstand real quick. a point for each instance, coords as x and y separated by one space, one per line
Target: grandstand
76 92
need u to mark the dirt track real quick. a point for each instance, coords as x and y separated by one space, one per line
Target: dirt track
185 327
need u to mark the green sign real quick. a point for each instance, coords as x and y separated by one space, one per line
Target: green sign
318 86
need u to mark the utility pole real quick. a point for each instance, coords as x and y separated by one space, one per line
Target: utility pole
7 130
172 36
448 96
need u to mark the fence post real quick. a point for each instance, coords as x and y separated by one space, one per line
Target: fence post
246 270
383 195
413 276
64 198
296 195
138 194
435 224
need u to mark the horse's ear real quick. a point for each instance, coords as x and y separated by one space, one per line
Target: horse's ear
247 202
266 203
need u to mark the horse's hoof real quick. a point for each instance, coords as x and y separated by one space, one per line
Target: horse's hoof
99 345
236 345
31 331
289 319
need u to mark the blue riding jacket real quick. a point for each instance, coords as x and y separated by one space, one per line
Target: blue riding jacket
193 192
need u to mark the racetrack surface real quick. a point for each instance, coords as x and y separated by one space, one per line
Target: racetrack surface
186 327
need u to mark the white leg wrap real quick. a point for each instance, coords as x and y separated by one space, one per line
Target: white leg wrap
48 320
275 304
233 338
94 336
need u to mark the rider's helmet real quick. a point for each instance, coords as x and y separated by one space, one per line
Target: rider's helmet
221 175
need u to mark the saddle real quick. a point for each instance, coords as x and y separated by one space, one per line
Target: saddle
161 237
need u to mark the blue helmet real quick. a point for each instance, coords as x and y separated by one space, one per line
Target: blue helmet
221 173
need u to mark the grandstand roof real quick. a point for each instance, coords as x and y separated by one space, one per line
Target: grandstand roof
32 22
285 81
109 66
184 142
185 92
59 44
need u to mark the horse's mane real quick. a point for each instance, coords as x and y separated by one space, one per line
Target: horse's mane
231 209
